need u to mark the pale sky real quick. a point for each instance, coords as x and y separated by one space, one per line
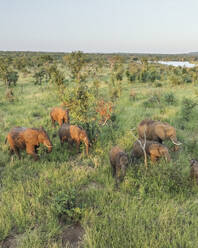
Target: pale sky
153 26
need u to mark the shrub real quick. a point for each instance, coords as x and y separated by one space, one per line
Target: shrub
79 98
104 109
158 84
133 94
187 108
169 98
12 77
176 80
65 206
10 95
153 101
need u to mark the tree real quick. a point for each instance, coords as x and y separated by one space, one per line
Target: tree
12 77
38 76
75 62
76 96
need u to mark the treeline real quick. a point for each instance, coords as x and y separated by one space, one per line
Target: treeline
45 67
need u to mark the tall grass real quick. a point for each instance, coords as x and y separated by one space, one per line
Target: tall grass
152 208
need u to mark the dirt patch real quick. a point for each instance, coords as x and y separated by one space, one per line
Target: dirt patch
9 242
72 236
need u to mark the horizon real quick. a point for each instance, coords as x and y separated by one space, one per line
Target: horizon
147 53
112 26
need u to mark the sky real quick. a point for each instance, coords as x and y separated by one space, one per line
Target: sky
131 26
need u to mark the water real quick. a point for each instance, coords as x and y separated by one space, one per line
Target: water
177 63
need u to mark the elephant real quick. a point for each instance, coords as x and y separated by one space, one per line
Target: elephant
194 170
152 148
59 115
158 131
74 133
119 162
20 138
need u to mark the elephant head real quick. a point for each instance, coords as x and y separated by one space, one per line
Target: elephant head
164 152
164 131
44 139
170 133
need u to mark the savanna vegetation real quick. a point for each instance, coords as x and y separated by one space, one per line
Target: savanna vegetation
67 196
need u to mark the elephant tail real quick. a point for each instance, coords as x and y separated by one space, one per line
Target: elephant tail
6 139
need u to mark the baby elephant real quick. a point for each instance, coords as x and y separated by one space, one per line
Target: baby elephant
119 161
74 133
59 115
194 169
154 149
20 138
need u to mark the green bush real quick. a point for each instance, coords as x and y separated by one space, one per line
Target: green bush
158 84
66 207
152 102
187 107
169 98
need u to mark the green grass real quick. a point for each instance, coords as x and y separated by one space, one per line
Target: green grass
153 208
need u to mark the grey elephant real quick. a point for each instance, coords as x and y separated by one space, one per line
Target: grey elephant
158 131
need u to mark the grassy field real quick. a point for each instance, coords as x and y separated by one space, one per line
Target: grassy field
67 196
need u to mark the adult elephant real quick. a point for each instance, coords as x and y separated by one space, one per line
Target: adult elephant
20 138
158 131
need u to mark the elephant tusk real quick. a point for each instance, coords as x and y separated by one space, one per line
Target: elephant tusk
177 144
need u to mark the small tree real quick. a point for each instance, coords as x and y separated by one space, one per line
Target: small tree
187 108
143 147
116 77
75 62
4 70
12 77
78 97
104 109
38 76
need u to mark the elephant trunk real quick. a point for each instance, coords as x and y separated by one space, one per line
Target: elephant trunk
49 146
167 157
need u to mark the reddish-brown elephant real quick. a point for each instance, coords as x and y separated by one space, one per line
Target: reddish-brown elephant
152 148
59 115
119 162
194 170
20 138
74 133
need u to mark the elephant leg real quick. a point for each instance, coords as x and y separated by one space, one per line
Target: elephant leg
113 171
87 149
30 150
123 171
61 141
18 153
78 146
36 149
153 158
60 122
15 150
70 142
166 155
118 175
11 151
64 139
53 122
